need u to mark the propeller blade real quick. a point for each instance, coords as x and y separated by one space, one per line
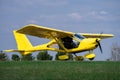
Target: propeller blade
99 45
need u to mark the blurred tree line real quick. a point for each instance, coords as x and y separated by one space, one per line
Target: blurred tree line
42 55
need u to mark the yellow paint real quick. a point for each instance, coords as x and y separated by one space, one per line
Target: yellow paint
25 47
90 55
63 57
22 42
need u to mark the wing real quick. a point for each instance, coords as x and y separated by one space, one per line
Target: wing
102 36
44 32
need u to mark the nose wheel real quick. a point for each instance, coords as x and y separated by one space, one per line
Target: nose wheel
90 55
91 59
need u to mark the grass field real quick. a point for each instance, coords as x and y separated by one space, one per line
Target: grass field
59 70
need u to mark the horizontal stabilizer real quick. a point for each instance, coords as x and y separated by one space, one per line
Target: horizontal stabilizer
23 52
13 50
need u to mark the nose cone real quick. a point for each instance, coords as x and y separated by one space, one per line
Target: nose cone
98 40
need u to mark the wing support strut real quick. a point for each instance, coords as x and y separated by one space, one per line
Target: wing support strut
59 42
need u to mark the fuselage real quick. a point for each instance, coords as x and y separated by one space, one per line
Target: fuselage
84 44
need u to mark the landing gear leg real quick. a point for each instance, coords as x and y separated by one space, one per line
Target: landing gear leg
78 58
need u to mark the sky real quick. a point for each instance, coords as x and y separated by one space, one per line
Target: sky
84 16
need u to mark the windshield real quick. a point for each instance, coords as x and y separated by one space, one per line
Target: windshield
79 36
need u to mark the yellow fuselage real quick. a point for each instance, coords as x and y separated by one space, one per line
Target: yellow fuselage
86 44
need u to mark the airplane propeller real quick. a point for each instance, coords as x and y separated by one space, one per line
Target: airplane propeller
98 41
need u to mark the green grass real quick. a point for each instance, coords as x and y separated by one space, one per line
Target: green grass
59 70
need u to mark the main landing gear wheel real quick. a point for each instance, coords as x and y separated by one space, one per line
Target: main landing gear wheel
78 58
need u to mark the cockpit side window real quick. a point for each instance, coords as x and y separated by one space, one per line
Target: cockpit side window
72 42
79 36
69 43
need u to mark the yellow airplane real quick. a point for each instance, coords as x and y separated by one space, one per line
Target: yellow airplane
68 42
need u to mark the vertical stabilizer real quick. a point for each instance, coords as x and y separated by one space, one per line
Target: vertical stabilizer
22 42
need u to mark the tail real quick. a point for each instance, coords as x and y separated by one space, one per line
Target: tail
22 43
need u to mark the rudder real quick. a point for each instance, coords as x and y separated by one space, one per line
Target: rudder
22 41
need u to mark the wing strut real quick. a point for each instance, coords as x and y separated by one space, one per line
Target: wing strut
59 42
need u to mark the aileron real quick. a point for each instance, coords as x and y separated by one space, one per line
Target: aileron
102 36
